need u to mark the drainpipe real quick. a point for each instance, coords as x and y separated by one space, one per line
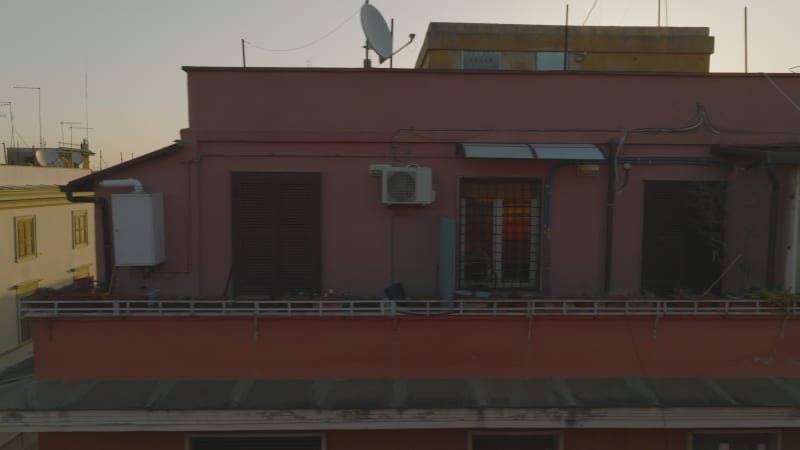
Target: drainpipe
794 256
613 148
774 201
546 219
105 221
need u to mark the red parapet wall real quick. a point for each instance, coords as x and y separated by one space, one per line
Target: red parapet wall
406 346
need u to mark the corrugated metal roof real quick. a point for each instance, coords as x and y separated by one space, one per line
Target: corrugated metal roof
428 393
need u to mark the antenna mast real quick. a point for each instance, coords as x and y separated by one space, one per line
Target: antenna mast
86 100
745 39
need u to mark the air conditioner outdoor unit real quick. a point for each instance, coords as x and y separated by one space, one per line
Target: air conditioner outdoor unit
407 186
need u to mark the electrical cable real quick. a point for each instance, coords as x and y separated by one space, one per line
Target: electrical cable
590 12
19 136
304 45
781 91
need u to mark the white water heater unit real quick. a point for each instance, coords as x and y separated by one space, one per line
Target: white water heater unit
138 220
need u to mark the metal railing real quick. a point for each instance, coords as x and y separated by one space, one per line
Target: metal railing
338 307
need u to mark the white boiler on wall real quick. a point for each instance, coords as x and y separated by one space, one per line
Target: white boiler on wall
138 220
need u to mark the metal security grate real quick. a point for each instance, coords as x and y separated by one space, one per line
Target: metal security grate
500 223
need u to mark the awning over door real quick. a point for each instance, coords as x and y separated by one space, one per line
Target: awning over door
576 152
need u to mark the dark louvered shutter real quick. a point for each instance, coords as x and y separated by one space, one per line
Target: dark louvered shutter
514 442
257 443
276 233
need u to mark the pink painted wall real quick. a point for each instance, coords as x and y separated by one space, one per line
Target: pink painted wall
338 122
414 347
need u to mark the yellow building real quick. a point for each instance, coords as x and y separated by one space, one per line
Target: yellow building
479 46
45 242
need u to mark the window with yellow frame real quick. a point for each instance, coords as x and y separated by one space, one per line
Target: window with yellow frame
80 229
25 237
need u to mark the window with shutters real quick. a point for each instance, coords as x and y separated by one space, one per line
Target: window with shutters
514 441
80 229
743 440
499 233
233 442
276 233
25 237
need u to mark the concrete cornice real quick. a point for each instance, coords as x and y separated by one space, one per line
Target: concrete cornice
19 197
325 420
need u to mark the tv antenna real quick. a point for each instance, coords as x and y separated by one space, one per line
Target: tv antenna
70 132
380 38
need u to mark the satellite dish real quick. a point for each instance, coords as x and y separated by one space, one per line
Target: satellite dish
47 157
77 158
379 38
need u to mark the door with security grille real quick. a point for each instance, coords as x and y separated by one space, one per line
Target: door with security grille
275 233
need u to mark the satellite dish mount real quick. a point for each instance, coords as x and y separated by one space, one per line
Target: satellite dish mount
380 38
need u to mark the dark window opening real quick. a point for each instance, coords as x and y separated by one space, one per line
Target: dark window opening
735 441
514 442
256 443
683 239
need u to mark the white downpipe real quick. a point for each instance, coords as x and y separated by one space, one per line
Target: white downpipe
127 182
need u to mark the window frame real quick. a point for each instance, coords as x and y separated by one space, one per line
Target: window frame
18 255
558 434
481 60
533 282
776 433
189 436
80 228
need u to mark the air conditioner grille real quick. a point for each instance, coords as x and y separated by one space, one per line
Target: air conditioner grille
401 186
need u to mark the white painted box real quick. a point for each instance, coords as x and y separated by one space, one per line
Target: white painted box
138 221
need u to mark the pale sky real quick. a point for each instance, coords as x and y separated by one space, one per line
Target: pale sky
134 50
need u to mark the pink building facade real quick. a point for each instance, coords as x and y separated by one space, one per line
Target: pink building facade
553 271
338 123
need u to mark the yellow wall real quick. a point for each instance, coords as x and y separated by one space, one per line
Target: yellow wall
591 48
55 260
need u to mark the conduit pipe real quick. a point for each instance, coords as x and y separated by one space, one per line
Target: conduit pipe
772 233
126 182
